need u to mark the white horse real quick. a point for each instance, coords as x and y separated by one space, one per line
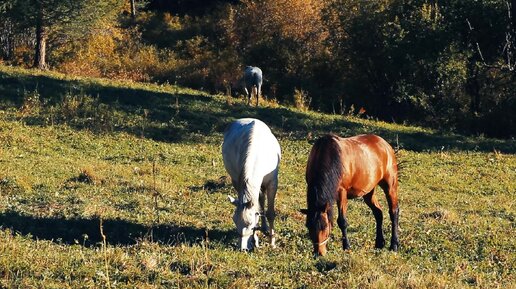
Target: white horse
253 78
251 156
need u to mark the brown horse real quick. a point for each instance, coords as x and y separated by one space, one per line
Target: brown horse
339 169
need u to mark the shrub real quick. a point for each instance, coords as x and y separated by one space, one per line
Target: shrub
301 99
31 103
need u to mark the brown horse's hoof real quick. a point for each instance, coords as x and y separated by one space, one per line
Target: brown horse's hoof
345 244
379 244
394 247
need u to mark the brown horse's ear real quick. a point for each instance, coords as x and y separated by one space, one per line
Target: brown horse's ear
304 211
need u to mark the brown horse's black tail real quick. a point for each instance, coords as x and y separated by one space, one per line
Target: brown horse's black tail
323 173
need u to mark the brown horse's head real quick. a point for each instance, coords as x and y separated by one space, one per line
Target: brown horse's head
319 224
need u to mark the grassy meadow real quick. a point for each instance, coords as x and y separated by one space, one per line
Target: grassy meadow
108 184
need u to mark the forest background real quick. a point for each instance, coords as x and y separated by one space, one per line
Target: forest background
442 64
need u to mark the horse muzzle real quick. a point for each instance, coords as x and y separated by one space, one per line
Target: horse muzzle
320 249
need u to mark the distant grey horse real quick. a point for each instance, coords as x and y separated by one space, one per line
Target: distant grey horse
253 78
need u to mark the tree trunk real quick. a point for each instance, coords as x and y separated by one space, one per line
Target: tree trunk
41 47
41 41
133 9
9 41
473 89
10 44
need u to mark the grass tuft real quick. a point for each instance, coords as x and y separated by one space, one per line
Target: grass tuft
441 215
87 175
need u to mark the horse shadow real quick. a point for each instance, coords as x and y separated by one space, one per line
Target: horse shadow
87 232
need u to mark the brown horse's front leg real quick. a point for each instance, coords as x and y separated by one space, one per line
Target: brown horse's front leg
342 204
372 202
343 227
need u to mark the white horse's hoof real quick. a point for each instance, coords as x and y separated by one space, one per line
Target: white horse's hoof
273 242
256 241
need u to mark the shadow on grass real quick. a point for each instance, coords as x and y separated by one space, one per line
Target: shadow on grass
182 117
53 89
213 186
324 266
118 232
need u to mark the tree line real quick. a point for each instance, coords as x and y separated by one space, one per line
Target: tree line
446 64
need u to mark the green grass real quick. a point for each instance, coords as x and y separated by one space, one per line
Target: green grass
145 161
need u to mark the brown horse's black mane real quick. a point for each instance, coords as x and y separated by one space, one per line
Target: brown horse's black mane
325 171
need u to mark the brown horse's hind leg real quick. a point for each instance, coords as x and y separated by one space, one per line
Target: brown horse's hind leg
372 202
391 192
342 204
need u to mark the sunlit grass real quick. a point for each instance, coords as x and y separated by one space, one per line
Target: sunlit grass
151 170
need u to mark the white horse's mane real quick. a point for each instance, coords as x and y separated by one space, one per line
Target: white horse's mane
250 192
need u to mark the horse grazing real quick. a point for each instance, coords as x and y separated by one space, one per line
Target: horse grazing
251 156
253 78
339 169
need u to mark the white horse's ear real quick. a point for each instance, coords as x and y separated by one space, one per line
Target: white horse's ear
232 200
304 211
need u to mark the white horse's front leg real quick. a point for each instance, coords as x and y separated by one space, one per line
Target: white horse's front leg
271 214
264 227
256 240
272 235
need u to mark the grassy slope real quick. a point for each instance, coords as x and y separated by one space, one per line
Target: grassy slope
70 161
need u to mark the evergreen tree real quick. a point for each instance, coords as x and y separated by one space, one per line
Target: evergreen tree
67 17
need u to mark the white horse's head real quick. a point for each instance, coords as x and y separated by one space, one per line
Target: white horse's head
246 218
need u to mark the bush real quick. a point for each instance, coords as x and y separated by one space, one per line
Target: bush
301 99
121 55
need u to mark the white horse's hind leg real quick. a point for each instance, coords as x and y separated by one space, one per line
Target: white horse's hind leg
248 92
271 196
